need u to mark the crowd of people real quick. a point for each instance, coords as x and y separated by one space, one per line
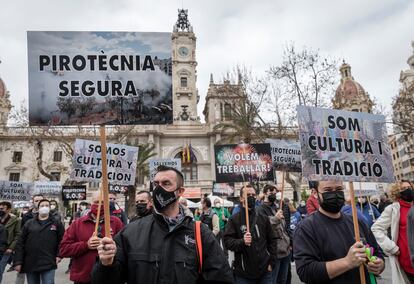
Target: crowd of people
167 242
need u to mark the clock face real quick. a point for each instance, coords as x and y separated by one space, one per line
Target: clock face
183 51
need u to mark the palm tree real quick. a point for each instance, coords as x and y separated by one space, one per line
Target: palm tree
145 152
245 123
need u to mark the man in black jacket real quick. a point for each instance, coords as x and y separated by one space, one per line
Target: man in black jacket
161 248
253 262
37 249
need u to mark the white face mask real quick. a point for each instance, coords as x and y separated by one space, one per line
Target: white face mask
362 199
218 205
43 211
302 203
278 196
52 207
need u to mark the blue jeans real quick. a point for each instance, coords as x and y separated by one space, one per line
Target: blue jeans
4 259
265 279
44 277
280 272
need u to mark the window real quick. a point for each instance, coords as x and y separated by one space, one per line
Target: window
56 176
189 171
227 111
14 177
17 157
184 82
57 156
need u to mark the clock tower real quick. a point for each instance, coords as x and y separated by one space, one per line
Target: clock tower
185 93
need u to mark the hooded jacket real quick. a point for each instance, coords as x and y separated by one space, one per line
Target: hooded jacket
38 245
250 262
149 252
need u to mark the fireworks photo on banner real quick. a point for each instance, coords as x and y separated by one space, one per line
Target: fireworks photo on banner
243 163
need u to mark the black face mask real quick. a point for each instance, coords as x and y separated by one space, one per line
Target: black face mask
2 213
142 209
111 206
251 202
407 195
163 198
332 201
271 198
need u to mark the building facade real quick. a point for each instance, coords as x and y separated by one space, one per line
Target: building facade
402 140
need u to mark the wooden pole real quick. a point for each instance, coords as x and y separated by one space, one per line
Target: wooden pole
246 207
356 227
283 189
105 193
98 214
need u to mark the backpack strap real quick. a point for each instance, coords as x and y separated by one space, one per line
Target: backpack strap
199 245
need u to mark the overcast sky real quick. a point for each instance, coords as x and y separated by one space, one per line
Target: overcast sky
373 36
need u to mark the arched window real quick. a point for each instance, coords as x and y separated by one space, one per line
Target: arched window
189 169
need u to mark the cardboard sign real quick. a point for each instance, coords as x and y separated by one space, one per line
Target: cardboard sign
48 188
285 155
84 78
73 192
223 189
243 162
155 163
344 145
192 192
16 191
121 161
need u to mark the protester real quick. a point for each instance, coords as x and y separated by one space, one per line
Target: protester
11 226
374 199
37 249
197 214
54 210
312 204
183 203
384 202
395 217
116 210
80 242
370 212
302 209
161 248
143 203
223 216
295 217
410 233
24 211
222 212
32 212
209 217
252 263
281 258
324 244
347 209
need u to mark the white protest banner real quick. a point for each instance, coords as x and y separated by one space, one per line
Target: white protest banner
366 189
97 78
16 191
155 163
121 161
223 189
344 145
48 188
21 204
285 155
